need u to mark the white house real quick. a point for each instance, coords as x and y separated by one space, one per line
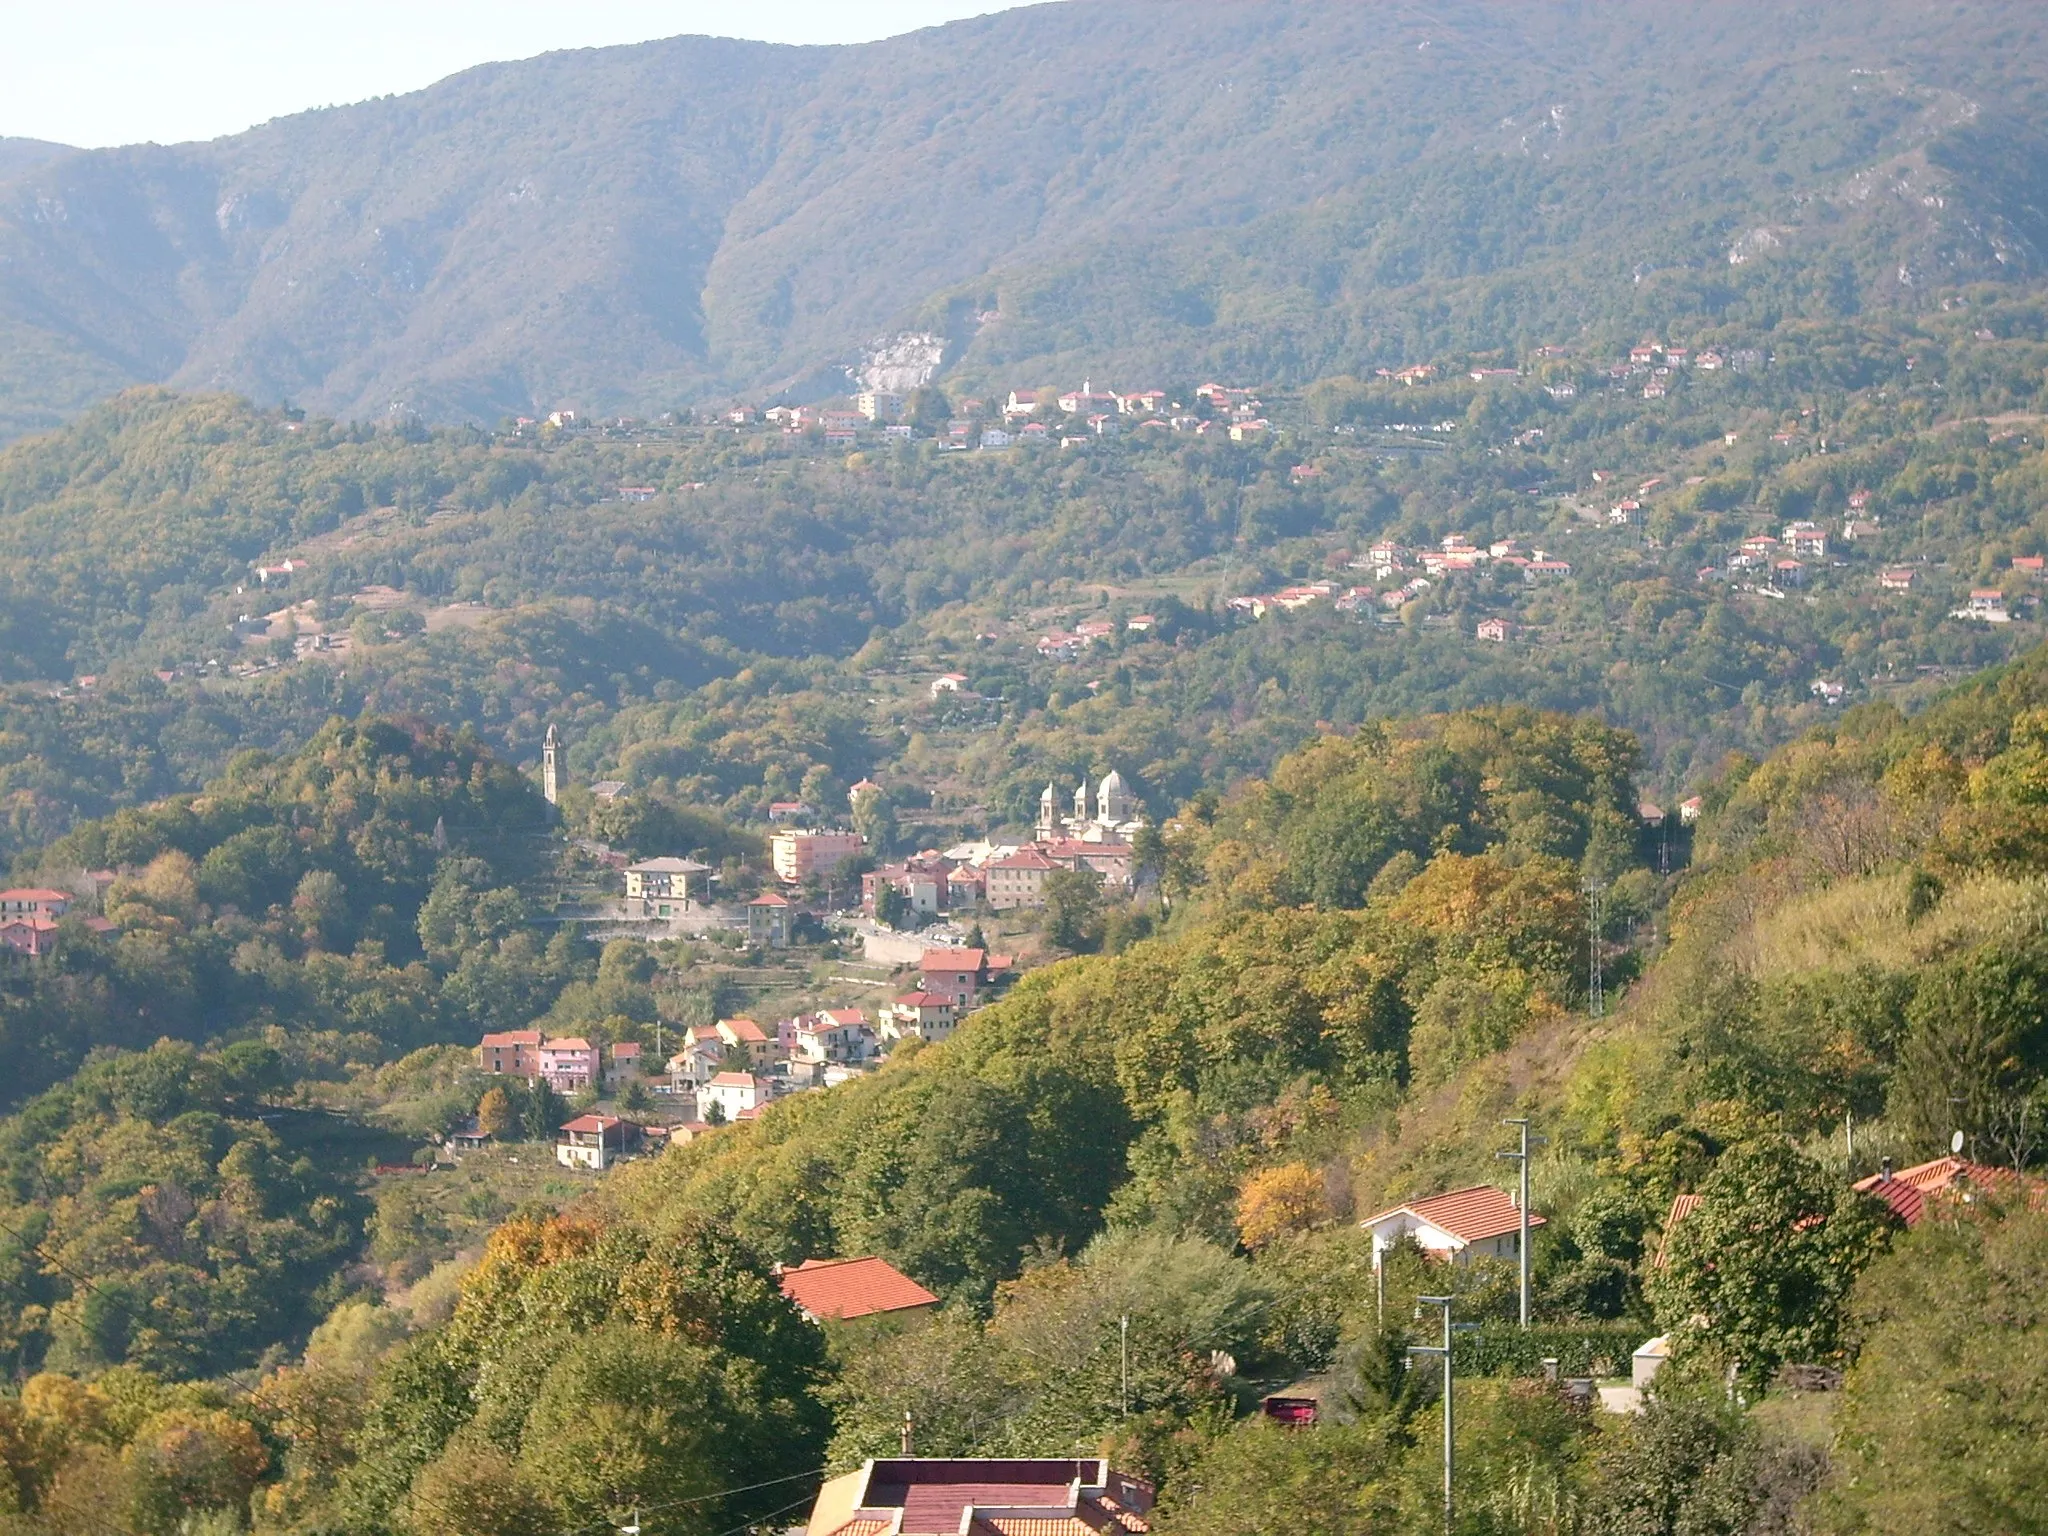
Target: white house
594 1141
660 887
838 1035
733 1092
697 1062
1466 1224
924 1014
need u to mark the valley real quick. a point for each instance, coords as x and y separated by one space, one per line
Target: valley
865 789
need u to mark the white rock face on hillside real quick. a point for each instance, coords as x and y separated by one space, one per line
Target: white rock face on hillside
898 364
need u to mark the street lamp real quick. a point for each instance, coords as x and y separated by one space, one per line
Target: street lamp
1450 1442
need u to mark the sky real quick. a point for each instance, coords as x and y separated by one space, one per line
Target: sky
129 71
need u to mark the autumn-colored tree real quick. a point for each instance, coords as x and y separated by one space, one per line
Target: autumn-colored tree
494 1114
186 1460
1275 1202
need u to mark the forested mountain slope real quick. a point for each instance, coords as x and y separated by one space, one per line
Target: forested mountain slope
1275 191
1135 1178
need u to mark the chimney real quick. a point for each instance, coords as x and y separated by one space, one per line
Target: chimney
1884 1170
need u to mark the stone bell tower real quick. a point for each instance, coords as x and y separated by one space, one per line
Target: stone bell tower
550 766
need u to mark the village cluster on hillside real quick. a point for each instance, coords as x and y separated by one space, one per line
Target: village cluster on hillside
733 1069
1045 415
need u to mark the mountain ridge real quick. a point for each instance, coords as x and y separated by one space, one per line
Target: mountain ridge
1285 190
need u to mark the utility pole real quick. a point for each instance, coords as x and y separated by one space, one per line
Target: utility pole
1444 1350
906 1432
1596 1002
1521 1157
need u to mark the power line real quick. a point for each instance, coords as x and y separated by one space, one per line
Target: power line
643 1510
705 1498
92 1285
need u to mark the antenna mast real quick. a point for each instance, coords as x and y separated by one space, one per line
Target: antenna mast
1596 999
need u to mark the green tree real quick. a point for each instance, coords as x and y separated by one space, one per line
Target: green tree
1263 1480
625 1417
874 818
1073 908
1760 1270
891 905
1954 1365
1692 1465
473 1489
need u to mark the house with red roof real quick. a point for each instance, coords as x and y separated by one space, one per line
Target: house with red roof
1462 1225
848 1288
31 936
1682 1206
746 1035
959 974
595 1141
35 901
734 1094
511 1053
833 1036
1018 879
768 920
569 1064
698 1060
1050 1496
1911 1192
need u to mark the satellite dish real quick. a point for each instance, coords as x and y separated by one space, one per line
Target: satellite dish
1955 1143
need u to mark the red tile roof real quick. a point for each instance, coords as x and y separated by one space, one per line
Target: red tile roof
993 1497
594 1124
1023 858
949 961
1682 1206
1909 1191
1944 1173
1470 1215
853 1288
36 893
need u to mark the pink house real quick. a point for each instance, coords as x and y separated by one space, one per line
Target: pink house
569 1065
33 936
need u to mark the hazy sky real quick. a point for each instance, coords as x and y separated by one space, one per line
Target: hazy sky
96 72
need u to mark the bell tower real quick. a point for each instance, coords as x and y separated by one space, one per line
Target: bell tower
550 766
